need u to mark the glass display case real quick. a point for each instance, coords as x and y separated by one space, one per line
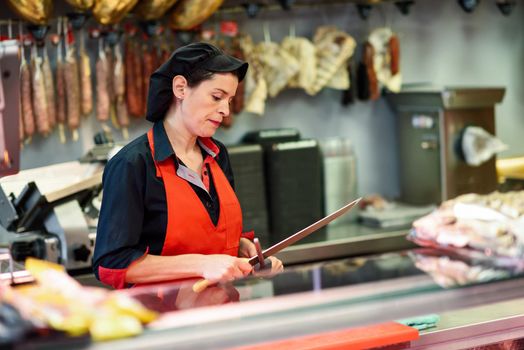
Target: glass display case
477 302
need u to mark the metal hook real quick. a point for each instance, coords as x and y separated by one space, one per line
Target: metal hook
267 34
9 29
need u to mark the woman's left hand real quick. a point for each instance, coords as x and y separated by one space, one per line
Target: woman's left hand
247 250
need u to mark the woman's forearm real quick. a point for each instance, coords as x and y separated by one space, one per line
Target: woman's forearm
155 268
214 267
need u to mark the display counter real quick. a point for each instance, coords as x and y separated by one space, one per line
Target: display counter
478 303
346 240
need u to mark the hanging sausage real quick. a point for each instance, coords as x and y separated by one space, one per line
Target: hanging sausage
133 73
49 89
394 51
119 88
39 94
72 85
149 58
139 81
26 94
60 86
85 78
102 93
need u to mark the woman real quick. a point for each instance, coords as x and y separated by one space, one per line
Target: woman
169 211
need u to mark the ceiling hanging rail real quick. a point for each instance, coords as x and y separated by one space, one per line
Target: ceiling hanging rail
253 7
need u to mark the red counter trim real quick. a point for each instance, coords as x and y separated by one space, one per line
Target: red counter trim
372 336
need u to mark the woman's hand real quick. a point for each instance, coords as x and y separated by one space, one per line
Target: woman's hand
222 267
247 250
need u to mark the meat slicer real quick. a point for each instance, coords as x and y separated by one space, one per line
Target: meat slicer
52 225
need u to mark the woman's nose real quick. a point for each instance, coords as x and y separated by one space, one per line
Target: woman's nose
224 108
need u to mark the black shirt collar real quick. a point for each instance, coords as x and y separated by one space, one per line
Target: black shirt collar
163 148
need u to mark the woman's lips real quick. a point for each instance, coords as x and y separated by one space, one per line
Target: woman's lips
216 123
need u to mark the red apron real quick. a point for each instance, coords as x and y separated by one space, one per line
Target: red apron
189 227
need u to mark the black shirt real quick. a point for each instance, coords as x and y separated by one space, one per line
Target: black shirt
133 216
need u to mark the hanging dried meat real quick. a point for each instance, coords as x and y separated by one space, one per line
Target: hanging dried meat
82 5
49 90
60 86
112 11
149 58
394 52
39 95
72 88
110 68
190 13
237 105
386 58
103 103
278 66
85 79
26 97
303 50
348 95
148 10
334 48
255 81
368 55
119 88
34 11
133 94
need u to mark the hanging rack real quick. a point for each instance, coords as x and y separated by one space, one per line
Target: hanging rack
239 6
235 6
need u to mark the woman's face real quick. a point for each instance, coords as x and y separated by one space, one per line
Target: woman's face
204 107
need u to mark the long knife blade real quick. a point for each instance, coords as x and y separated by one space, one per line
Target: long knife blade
304 232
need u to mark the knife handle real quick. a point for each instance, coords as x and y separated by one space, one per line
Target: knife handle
201 285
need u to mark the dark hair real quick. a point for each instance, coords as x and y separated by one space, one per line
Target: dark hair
199 75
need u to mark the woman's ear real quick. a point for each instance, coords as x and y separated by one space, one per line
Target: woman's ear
179 86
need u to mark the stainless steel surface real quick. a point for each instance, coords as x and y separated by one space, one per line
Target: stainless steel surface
449 97
351 245
300 314
460 177
430 123
459 97
304 232
52 249
420 167
68 223
51 224
475 326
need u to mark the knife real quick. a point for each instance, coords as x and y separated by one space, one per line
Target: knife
203 284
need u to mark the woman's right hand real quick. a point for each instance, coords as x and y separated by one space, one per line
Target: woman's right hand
222 267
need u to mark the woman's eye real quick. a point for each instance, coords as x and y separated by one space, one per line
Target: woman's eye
216 98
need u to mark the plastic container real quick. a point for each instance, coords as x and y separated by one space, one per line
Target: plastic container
340 177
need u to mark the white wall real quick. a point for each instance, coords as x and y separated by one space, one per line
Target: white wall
440 44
